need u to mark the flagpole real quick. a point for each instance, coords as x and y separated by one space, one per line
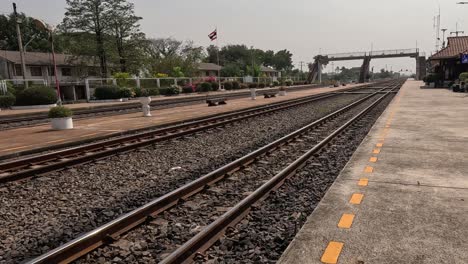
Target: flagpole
217 55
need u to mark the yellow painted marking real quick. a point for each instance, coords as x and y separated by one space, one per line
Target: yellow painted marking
346 221
356 198
363 182
373 159
332 252
379 145
369 169
376 151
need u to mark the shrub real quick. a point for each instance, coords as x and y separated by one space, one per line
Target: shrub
168 91
60 112
244 86
463 76
261 85
253 85
144 92
228 85
204 87
37 95
214 86
188 89
235 85
107 92
275 83
126 93
7 100
288 82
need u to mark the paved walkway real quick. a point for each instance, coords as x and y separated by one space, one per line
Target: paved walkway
28 138
403 197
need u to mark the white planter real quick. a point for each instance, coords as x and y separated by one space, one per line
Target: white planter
62 123
282 93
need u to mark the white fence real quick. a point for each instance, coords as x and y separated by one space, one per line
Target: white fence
92 83
3 87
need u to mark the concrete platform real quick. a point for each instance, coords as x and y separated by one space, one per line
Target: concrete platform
29 138
403 197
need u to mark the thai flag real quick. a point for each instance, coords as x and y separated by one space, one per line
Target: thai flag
213 35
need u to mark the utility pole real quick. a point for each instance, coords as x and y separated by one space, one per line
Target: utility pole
20 44
301 63
443 37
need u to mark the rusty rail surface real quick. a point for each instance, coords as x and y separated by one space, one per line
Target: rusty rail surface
111 231
208 236
18 169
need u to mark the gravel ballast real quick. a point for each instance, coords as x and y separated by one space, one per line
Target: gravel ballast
40 214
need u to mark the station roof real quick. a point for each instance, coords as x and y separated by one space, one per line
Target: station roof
44 59
205 66
267 69
455 47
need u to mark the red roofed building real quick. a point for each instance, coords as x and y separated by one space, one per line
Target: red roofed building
448 61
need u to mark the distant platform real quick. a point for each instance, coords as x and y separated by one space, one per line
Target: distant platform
41 136
403 197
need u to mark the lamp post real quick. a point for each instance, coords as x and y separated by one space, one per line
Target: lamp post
43 26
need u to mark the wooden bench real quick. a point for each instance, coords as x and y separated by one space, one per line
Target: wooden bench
270 94
216 101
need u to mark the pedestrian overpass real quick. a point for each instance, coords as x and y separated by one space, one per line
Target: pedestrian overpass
315 69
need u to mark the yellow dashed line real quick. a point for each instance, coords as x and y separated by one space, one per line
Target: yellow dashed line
346 221
369 169
373 159
356 198
363 182
376 151
379 145
332 252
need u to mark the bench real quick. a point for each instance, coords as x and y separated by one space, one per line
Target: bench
216 101
270 94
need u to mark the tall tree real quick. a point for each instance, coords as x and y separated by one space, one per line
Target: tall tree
125 29
169 53
283 60
91 16
36 40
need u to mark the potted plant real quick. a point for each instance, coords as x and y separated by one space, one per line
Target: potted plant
61 118
282 91
145 100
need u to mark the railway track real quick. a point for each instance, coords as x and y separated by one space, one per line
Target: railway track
21 168
25 120
313 132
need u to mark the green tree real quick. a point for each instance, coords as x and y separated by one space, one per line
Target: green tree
283 60
126 31
90 16
37 39
168 53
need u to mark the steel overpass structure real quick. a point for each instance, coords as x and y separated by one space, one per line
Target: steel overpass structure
315 69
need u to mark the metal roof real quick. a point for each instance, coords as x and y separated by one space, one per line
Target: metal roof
204 66
43 58
455 47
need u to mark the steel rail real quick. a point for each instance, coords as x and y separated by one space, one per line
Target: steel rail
27 167
113 230
208 236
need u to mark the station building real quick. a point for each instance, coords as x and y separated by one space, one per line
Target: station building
452 60
71 71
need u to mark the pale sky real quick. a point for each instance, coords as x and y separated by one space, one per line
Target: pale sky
302 26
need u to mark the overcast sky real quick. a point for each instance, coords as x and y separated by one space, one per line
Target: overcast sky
302 26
